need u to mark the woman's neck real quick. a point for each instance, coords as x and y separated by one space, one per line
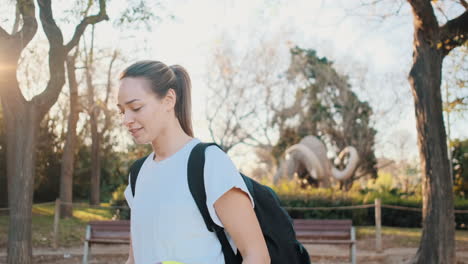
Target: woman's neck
170 142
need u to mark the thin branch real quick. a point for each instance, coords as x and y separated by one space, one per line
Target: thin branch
89 20
88 7
442 12
109 76
105 107
397 12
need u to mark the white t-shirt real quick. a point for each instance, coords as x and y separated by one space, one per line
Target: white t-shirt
165 221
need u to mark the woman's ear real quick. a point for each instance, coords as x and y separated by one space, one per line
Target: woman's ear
170 99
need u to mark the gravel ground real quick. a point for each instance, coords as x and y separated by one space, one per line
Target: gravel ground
103 254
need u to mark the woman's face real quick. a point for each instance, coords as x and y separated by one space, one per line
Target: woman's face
144 114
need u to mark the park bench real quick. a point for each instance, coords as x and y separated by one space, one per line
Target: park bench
105 232
308 231
336 232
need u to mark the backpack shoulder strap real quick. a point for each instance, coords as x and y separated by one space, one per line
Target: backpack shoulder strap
134 170
196 182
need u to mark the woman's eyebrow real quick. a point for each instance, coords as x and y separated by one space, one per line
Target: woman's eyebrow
129 102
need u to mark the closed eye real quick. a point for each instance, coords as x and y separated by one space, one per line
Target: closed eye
134 110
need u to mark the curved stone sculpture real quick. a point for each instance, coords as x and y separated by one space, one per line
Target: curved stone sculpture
310 156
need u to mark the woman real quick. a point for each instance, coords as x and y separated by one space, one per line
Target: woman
166 225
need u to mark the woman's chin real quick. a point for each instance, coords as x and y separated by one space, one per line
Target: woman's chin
140 140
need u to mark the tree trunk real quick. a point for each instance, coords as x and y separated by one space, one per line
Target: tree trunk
22 127
438 233
3 184
95 197
68 156
3 174
95 160
95 142
23 117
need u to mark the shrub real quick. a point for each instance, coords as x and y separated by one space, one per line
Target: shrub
291 197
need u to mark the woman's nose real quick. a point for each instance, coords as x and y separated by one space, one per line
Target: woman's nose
127 119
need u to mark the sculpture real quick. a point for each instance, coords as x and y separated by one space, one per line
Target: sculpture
309 158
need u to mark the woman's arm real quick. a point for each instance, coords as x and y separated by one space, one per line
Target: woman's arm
130 259
235 211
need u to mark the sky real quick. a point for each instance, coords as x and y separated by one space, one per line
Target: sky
189 38
352 37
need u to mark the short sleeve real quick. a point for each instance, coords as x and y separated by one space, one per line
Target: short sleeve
128 194
221 175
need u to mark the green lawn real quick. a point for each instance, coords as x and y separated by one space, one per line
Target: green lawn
71 230
402 237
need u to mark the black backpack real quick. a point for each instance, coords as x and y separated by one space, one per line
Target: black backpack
277 226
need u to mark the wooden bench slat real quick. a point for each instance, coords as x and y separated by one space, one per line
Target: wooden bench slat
109 223
109 232
314 227
110 227
111 236
331 242
323 236
318 224
110 241
323 225
323 232
332 221
327 232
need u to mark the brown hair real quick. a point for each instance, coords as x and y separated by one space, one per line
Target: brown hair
163 78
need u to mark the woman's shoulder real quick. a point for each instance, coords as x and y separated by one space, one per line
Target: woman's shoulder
215 154
217 159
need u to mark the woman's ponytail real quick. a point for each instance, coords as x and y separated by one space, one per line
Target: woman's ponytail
183 107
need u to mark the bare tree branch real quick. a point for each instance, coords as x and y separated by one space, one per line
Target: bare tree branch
88 7
105 106
109 75
442 12
52 31
29 29
454 33
57 58
11 46
58 52
89 20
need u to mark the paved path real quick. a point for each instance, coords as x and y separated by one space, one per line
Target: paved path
319 253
